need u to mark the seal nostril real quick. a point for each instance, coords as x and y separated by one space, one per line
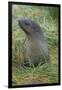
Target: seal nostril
18 21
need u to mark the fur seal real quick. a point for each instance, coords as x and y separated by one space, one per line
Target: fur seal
37 49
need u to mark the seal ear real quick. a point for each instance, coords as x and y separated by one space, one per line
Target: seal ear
27 23
34 26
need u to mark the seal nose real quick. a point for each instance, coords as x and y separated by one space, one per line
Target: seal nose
20 22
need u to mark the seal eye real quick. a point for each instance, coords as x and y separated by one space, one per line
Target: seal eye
26 23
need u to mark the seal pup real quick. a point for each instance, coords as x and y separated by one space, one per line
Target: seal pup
37 49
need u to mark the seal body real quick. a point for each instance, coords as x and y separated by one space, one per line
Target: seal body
37 49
